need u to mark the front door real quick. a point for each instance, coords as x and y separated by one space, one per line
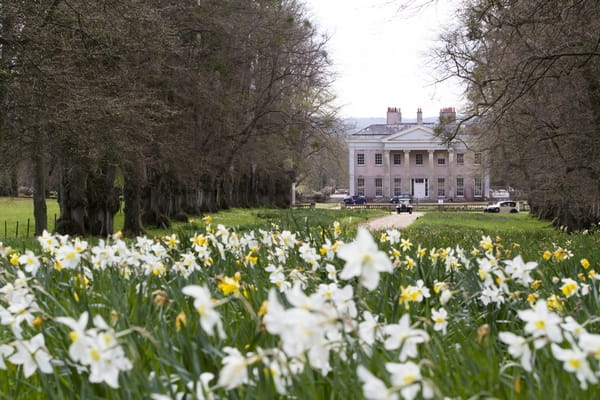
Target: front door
419 188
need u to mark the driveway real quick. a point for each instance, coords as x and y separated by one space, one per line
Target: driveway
391 221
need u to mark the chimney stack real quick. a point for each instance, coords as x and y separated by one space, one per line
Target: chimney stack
394 116
419 116
448 115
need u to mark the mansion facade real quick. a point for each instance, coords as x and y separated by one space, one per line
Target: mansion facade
398 158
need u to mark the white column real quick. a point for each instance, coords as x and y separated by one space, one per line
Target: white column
452 174
406 176
351 187
431 174
386 173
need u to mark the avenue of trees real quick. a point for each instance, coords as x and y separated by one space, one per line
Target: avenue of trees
179 107
532 73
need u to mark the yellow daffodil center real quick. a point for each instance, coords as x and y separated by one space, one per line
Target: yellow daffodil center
540 324
575 363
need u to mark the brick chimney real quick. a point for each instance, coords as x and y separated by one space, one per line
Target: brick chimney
394 116
448 115
419 116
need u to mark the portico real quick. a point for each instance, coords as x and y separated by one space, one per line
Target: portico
408 158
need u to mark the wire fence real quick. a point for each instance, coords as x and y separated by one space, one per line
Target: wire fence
22 229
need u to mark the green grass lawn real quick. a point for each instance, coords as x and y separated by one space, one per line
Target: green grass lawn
18 210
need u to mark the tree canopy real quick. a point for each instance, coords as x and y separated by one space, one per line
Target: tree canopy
178 106
532 77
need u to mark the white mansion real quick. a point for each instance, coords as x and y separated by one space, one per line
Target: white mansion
407 158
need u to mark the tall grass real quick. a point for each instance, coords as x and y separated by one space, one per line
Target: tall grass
145 304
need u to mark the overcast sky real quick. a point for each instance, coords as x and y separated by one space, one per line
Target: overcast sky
381 56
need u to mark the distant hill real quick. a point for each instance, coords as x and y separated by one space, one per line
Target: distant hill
356 124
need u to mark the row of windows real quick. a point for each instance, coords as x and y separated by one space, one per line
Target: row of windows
441 186
460 159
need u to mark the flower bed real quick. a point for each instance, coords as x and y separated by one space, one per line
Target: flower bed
225 314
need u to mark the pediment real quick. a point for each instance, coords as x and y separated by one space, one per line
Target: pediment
420 134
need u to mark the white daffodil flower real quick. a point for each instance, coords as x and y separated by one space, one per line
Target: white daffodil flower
31 354
518 348
364 260
542 323
203 303
373 387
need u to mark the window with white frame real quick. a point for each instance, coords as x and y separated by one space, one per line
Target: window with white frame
441 187
397 187
397 158
441 161
378 159
360 158
460 158
478 190
460 187
360 186
419 158
378 186
477 158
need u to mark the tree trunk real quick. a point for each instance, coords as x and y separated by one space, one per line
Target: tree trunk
134 177
72 200
40 213
103 201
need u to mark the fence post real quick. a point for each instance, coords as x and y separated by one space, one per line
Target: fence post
17 230
27 228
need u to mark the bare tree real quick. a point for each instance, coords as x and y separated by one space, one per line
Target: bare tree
531 73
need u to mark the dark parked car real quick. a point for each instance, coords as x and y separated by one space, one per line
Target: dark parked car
399 198
506 206
355 200
404 206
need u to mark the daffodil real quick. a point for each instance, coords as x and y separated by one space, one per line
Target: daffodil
542 323
569 287
5 351
373 387
337 229
402 335
405 244
228 285
235 369
575 361
32 355
518 348
486 243
79 339
210 319
407 376
421 252
393 236
30 261
364 260
590 343
520 270
440 319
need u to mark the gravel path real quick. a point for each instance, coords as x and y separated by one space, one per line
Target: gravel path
391 221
